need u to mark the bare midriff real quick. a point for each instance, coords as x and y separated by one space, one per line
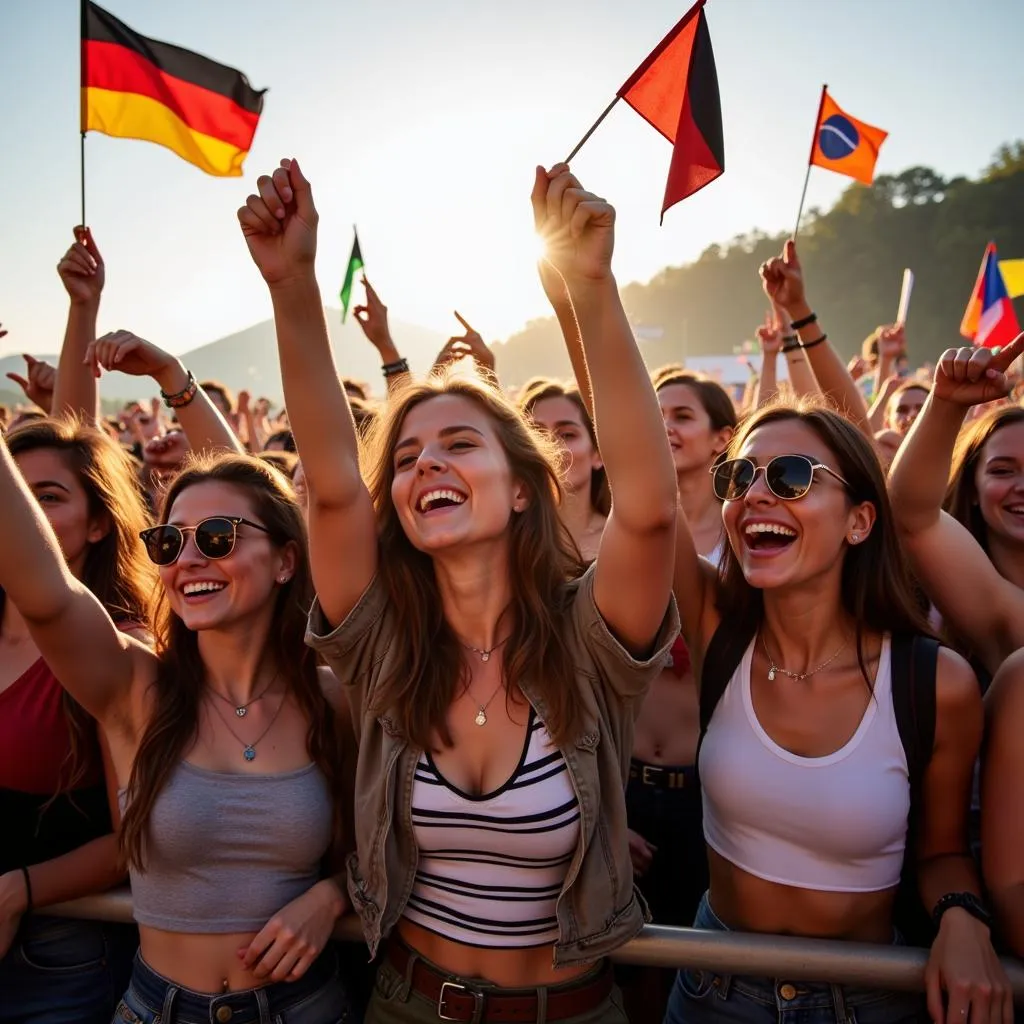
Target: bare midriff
668 726
747 903
509 968
203 963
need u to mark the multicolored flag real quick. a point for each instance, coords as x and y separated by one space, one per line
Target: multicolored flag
676 91
843 144
355 264
139 88
1013 277
990 320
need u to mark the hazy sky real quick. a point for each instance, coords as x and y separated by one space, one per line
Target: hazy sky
422 121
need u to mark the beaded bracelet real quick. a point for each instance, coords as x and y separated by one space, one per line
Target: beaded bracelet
183 397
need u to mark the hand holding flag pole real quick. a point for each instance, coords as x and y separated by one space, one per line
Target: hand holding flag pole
676 91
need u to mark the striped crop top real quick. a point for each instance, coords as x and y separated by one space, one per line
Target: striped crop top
491 867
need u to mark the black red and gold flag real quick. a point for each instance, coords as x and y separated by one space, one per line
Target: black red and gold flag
139 88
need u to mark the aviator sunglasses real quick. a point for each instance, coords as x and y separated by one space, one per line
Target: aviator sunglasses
215 538
788 477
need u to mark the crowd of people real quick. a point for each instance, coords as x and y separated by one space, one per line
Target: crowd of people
507 672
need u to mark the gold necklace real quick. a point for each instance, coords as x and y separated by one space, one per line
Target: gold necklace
242 709
484 655
481 715
798 676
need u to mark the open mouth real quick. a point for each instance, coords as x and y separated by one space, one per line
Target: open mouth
202 588
768 537
443 497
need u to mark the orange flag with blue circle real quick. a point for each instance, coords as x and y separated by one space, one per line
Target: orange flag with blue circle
845 145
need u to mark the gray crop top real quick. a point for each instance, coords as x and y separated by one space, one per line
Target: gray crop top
226 852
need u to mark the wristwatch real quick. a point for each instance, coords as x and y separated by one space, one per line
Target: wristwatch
965 901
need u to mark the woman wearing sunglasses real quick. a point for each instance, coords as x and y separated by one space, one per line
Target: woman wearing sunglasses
223 741
806 780
492 681
58 793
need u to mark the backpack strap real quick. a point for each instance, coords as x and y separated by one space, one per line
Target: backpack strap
914 664
725 652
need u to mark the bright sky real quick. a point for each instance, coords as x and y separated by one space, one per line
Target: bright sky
422 122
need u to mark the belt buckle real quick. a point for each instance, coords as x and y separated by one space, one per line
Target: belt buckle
644 778
454 986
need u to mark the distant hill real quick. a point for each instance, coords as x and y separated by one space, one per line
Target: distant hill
248 360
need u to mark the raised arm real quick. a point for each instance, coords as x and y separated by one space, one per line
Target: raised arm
555 290
280 228
783 281
634 565
202 424
83 274
74 634
801 376
769 335
372 317
959 577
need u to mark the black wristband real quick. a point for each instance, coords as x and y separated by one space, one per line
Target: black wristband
811 318
965 901
28 888
790 342
817 341
395 368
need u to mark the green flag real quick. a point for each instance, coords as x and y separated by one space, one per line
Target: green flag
355 264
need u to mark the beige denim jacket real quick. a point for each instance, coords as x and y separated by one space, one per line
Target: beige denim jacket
598 908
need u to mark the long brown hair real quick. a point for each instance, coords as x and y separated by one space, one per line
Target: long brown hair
961 500
116 568
430 664
877 588
541 388
181 675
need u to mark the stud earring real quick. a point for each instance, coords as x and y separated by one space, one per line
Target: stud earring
854 538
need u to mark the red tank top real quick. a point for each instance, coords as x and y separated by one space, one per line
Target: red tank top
680 657
35 736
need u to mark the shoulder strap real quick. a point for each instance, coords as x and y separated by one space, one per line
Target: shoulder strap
914 664
723 656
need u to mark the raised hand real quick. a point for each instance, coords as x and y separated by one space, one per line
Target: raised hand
782 278
856 367
280 225
81 269
243 402
130 354
373 318
475 345
39 382
577 226
769 336
970 376
892 343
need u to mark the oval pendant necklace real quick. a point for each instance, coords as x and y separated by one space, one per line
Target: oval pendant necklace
481 715
242 709
249 749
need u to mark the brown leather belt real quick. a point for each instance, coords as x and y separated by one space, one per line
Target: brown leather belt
661 777
458 1001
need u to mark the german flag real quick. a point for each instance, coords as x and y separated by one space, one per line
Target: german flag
139 88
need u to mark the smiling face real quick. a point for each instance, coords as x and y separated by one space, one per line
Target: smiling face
561 417
694 441
64 500
782 544
453 484
904 408
999 484
226 592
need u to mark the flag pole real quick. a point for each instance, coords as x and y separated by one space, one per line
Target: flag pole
82 102
810 158
593 128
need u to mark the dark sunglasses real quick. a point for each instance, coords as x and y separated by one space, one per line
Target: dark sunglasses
215 538
788 477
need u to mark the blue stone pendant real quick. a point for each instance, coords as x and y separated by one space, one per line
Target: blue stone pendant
249 754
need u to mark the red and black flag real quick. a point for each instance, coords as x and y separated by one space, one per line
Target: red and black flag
676 91
139 88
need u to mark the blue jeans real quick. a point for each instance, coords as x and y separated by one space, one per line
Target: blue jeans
318 997
702 997
59 971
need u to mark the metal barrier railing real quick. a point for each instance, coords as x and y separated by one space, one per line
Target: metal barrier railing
773 956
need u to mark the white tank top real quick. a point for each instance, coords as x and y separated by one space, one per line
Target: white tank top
491 867
834 824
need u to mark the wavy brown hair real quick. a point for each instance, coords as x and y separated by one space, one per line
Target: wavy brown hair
181 674
543 561
116 568
878 590
541 388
